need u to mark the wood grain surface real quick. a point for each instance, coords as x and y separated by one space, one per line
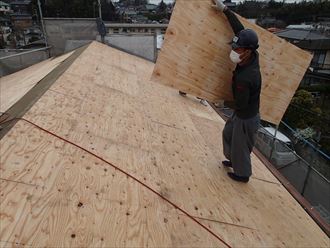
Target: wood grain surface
195 59
16 85
56 195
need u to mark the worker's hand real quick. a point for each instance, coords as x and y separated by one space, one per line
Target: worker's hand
219 5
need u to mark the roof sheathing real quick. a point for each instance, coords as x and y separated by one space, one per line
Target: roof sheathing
105 103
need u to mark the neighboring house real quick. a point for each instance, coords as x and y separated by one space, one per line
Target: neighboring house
164 21
316 43
32 34
301 26
130 15
21 18
140 19
5 21
5 24
4 8
21 6
127 14
34 45
21 21
4 34
145 28
147 9
151 7
322 25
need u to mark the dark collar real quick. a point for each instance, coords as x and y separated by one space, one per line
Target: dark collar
253 60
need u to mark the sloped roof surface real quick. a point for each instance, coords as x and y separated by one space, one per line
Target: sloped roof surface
154 179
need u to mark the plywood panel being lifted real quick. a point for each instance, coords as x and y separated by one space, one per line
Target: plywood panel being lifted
53 194
195 59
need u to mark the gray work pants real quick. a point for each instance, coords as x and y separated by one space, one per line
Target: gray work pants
238 139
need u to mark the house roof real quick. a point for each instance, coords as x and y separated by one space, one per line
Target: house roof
105 150
4 4
300 34
23 2
17 16
151 6
4 19
306 39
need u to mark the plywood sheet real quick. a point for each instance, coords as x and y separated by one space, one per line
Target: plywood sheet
14 86
195 59
171 143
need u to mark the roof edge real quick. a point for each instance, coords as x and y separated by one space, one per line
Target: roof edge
289 187
32 96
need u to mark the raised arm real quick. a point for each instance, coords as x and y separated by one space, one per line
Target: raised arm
235 24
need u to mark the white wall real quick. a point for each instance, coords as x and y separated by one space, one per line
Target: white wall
61 30
142 45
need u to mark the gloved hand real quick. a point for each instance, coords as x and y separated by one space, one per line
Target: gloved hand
219 5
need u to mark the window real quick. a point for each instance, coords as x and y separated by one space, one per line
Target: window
319 58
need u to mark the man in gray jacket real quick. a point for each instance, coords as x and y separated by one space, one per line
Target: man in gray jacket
240 130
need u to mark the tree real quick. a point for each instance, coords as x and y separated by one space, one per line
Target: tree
162 7
78 9
296 115
108 11
72 8
302 114
290 13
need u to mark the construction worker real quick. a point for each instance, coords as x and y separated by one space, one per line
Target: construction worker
240 130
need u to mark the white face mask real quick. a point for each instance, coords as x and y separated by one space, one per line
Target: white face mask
234 56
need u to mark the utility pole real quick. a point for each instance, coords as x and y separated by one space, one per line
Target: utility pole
42 23
100 9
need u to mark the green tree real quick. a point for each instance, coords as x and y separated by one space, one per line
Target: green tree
290 13
77 9
162 7
301 113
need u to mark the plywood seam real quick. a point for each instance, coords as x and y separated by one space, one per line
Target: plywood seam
27 101
132 177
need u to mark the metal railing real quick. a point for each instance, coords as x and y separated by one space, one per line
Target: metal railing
308 175
23 52
305 166
21 58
